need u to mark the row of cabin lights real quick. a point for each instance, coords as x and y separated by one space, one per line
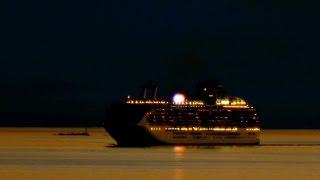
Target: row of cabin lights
193 103
202 129
194 129
180 99
146 102
253 129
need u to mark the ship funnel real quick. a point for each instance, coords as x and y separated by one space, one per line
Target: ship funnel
145 91
155 93
150 90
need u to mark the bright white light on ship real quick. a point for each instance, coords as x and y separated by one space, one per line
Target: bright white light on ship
179 98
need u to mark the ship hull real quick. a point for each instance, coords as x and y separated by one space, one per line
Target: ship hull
129 126
241 136
132 136
122 124
143 136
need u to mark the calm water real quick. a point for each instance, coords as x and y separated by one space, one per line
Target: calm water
37 153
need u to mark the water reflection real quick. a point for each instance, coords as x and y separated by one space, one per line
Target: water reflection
179 152
178 174
179 155
37 153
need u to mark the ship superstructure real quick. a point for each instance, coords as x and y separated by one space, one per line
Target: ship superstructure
212 119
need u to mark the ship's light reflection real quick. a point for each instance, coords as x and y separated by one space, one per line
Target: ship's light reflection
179 152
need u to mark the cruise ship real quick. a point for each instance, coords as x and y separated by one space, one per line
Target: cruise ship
208 118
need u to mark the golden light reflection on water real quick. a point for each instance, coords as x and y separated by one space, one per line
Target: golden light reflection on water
178 174
179 152
38 154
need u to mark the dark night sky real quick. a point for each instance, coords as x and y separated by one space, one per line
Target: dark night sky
69 59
